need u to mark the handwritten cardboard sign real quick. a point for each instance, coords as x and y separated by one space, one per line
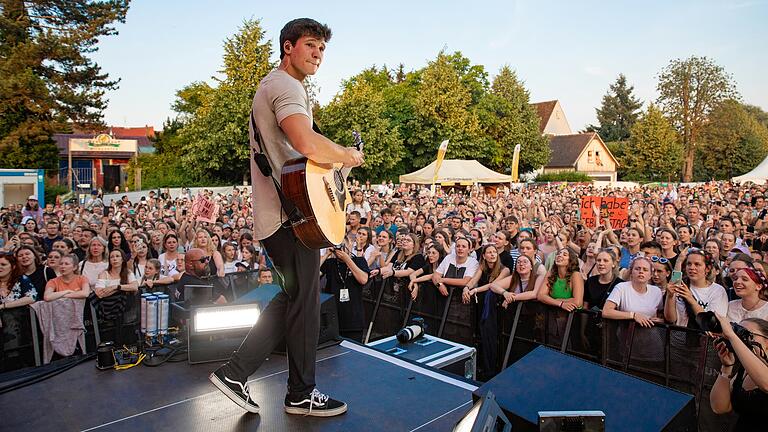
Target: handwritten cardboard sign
613 208
204 209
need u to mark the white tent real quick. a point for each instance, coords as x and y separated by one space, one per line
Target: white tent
454 171
759 175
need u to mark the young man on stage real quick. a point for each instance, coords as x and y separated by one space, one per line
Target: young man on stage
282 117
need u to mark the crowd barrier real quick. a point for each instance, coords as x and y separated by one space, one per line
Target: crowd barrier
677 357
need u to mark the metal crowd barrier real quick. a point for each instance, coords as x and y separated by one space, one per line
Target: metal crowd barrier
19 341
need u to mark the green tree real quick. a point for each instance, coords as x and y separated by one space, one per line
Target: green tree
190 98
732 142
618 112
508 118
654 151
216 135
688 91
443 105
168 140
758 114
361 107
48 78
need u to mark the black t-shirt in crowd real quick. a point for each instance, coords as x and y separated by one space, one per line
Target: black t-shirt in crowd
40 278
415 262
506 260
338 277
596 293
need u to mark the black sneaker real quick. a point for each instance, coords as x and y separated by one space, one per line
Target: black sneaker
315 404
233 389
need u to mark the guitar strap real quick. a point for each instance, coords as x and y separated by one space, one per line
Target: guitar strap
295 215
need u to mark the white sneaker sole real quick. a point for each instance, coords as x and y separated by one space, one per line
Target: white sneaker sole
317 413
231 395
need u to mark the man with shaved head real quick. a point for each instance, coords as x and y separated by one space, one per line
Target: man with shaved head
197 272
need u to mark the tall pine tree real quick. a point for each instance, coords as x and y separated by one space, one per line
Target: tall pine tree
618 112
48 79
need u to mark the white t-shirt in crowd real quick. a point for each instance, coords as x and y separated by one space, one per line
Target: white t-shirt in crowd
712 298
92 270
167 267
138 271
471 265
627 299
230 267
647 345
363 208
103 283
737 313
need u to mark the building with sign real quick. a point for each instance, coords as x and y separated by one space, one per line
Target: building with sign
101 160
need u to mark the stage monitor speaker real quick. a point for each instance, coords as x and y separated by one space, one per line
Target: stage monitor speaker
329 324
547 380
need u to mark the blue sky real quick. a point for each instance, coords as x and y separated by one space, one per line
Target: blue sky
566 50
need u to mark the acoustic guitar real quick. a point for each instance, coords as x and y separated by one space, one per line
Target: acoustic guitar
320 192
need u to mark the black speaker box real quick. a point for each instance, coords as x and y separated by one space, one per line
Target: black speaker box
329 324
547 380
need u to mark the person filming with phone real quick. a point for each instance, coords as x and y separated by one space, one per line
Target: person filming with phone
742 385
699 294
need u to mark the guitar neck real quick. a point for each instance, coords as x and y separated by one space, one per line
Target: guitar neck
345 172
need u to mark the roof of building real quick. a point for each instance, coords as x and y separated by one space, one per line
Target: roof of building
135 132
567 148
544 109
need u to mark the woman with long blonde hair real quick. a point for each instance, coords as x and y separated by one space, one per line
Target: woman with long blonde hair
203 241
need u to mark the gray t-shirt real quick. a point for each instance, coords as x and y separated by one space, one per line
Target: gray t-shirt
279 96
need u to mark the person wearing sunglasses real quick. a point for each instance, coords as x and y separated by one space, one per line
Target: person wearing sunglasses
197 271
661 272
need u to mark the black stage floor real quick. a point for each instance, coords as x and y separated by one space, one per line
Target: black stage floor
383 393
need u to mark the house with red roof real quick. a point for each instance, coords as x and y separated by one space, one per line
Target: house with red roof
552 119
574 152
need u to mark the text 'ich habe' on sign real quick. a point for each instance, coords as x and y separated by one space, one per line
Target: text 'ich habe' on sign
613 208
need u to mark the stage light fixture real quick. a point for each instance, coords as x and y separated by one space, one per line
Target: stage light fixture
220 318
485 415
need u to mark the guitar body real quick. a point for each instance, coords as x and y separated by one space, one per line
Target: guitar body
320 192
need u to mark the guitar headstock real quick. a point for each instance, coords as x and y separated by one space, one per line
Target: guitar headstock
358 140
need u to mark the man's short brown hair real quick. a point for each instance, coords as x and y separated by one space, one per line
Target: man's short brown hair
299 27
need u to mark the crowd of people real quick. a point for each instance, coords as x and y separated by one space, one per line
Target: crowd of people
683 250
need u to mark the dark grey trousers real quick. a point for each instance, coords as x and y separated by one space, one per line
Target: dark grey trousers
293 317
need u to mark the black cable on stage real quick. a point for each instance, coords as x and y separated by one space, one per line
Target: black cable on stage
175 355
37 374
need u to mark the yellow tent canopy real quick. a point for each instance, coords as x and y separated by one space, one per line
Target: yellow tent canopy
455 171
